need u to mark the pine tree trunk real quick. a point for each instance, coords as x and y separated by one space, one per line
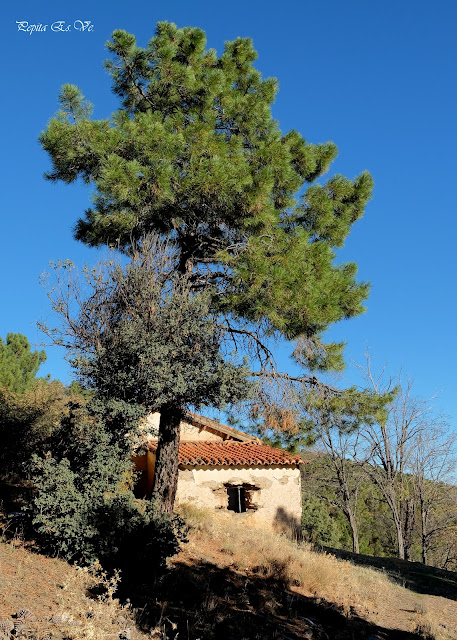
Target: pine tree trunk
166 466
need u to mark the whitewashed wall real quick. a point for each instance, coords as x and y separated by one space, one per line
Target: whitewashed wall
277 502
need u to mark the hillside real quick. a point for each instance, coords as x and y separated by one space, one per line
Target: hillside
45 598
229 582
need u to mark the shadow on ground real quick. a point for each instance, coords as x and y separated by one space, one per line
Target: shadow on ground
205 601
412 575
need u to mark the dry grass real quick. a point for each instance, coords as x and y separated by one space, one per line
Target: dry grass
294 563
297 566
60 600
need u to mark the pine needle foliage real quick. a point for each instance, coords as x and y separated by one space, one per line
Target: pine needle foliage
194 154
18 363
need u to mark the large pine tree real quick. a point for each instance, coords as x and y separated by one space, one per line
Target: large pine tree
194 155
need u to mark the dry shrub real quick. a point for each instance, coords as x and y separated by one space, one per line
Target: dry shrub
426 630
86 608
196 518
102 608
429 628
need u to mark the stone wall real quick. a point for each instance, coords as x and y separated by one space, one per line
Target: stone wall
273 492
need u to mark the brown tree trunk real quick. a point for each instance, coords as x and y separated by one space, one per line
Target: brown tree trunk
410 518
354 532
424 536
166 466
400 540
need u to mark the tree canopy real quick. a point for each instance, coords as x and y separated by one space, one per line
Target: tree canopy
18 363
195 154
141 343
138 338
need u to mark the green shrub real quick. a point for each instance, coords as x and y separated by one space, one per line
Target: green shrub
84 508
318 525
60 511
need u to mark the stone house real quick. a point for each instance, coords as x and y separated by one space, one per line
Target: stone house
225 469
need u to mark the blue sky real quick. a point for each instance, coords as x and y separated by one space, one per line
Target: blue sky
377 78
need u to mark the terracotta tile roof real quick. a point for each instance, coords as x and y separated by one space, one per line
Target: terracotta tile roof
231 453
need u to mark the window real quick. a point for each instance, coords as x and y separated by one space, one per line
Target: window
240 497
236 499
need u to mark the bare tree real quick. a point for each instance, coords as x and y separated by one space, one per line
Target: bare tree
433 468
340 449
445 549
336 418
390 447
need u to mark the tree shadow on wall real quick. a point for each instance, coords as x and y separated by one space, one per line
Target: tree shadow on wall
288 524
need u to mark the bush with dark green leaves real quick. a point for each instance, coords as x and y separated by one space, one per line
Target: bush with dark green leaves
84 507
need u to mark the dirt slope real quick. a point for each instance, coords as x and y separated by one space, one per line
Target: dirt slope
228 583
45 598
